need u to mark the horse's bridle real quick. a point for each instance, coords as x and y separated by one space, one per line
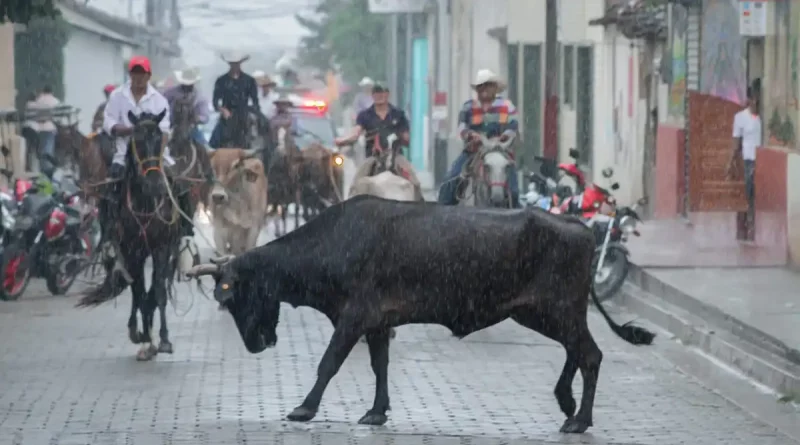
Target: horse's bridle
481 173
140 163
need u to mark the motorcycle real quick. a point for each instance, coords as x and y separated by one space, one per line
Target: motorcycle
544 191
50 238
611 261
591 200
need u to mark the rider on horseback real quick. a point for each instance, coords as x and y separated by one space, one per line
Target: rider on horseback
232 91
381 116
137 97
490 115
186 93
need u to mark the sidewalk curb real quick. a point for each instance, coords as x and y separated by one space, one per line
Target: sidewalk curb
754 353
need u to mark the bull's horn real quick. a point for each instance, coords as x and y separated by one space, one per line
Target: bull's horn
203 269
222 260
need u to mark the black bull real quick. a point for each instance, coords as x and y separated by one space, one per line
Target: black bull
370 264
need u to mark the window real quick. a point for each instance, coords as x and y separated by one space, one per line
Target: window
513 73
569 74
532 102
584 103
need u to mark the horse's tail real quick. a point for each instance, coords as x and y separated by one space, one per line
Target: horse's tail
112 286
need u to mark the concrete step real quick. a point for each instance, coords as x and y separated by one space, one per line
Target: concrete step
745 348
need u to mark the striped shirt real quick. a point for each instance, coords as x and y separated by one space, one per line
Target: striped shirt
499 119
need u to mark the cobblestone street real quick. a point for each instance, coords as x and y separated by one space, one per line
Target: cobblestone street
69 376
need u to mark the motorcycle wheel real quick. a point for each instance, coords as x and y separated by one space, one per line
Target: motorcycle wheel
60 278
15 271
609 280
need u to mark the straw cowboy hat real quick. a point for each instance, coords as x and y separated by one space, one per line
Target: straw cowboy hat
235 56
366 82
488 76
189 76
262 79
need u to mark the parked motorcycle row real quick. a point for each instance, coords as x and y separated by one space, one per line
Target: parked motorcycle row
597 207
46 231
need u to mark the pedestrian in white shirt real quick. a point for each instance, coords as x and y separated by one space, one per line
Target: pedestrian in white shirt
46 129
136 96
746 140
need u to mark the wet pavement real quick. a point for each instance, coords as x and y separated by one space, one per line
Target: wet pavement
69 376
765 298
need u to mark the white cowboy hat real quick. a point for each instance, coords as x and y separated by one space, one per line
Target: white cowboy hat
366 82
189 76
235 57
488 76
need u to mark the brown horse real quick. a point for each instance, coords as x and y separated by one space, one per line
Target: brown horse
93 161
320 179
69 141
191 161
283 175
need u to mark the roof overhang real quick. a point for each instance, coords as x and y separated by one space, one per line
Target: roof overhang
84 23
499 33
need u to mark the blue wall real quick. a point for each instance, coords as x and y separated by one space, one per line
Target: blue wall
419 101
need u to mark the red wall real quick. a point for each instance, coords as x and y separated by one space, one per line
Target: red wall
771 194
668 172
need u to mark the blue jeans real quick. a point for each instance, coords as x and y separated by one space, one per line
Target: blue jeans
47 143
447 192
198 137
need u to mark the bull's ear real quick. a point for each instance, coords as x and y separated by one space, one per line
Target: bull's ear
133 118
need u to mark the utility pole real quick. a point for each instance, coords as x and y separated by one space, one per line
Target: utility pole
551 81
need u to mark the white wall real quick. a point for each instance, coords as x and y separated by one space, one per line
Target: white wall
472 49
621 148
89 63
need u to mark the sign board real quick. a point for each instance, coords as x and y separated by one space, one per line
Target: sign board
396 6
753 18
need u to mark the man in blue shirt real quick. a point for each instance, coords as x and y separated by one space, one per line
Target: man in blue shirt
490 115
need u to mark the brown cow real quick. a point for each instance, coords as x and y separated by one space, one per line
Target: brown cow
238 199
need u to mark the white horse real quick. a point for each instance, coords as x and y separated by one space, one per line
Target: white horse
487 176
385 184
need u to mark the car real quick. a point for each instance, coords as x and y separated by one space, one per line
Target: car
315 125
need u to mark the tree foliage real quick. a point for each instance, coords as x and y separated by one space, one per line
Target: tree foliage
347 38
39 57
23 11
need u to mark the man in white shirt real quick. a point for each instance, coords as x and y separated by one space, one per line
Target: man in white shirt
268 94
45 127
137 96
746 140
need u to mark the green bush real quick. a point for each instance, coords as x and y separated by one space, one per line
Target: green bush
39 57
23 11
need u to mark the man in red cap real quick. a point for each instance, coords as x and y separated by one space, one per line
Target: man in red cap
97 122
138 96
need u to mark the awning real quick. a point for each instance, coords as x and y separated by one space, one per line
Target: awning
637 19
500 33
82 22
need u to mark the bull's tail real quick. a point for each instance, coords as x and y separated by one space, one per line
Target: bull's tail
629 332
112 286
